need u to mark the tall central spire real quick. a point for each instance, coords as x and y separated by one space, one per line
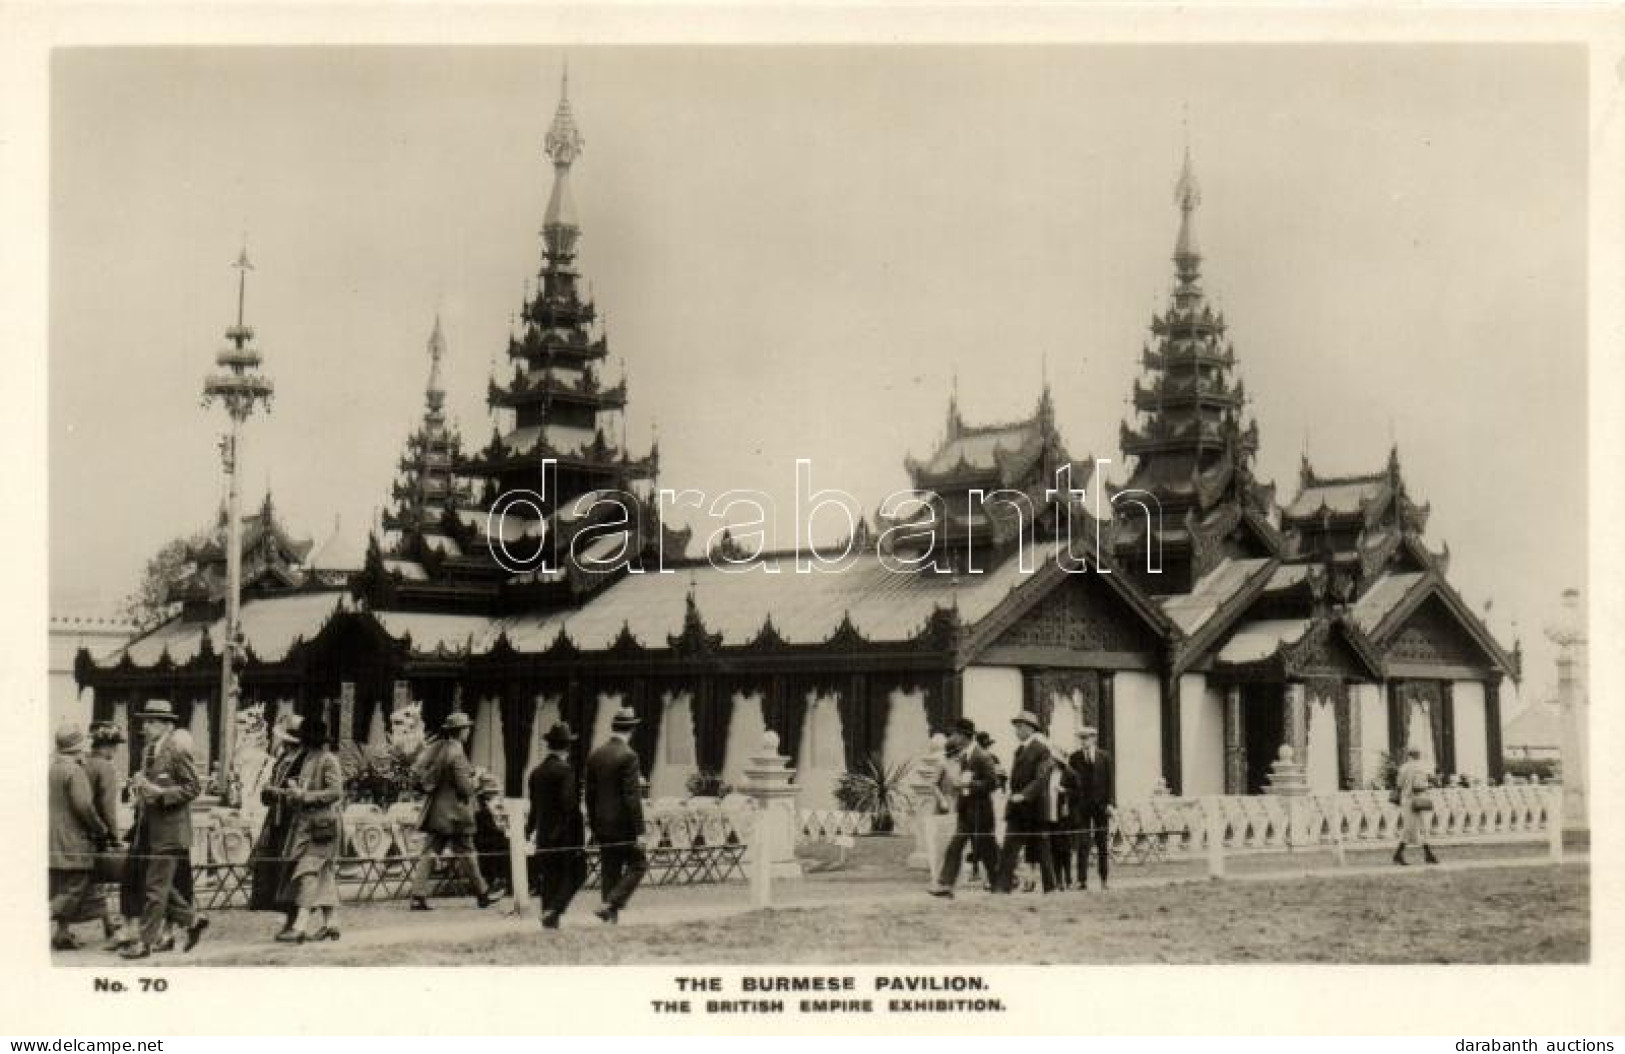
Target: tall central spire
1188 195
436 391
562 146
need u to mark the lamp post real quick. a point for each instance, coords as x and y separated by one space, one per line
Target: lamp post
240 387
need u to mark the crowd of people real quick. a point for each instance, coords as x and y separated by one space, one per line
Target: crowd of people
1058 810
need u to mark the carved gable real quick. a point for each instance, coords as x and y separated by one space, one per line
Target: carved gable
1081 614
1433 635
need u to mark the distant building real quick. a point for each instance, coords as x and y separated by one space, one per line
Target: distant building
1326 624
95 635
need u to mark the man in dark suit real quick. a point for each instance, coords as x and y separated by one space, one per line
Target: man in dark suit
615 808
555 820
1092 803
164 790
973 805
1024 810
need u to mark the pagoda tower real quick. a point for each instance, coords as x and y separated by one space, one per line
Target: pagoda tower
596 514
427 491
1190 448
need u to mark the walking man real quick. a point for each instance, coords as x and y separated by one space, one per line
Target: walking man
1024 828
615 807
447 820
76 830
164 790
1093 803
973 806
555 820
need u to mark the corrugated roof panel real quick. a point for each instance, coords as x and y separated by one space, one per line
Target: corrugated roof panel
1384 595
1260 640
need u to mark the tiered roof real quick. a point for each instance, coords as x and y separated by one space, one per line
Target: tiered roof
1192 450
273 561
1022 456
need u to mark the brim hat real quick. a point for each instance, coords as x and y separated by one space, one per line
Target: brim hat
106 734
559 736
625 720
70 739
1028 718
287 728
984 740
489 784
313 731
158 710
1087 732
964 727
456 720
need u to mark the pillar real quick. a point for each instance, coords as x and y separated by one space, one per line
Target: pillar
1496 763
1295 720
1171 773
1235 743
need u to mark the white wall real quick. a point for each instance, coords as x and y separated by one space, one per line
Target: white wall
1201 736
1472 739
991 696
675 758
1138 732
745 728
823 756
908 729
1322 752
608 703
1373 705
1419 734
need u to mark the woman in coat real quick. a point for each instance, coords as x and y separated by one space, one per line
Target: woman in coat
1409 782
273 857
317 802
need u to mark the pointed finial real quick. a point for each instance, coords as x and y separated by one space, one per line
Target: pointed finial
436 390
564 140
1188 195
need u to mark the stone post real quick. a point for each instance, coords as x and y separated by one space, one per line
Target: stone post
514 812
1287 780
773 841
1554 821
1213 813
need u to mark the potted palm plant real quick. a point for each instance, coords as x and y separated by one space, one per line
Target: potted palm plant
877 789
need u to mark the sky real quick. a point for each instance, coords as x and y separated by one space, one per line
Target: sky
798 250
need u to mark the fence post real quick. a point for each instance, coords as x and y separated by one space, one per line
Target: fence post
1339 850
768 782
1554 822
761 851
518 874
1214 816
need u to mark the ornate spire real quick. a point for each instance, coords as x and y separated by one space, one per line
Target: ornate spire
562 146
436 391
1188 195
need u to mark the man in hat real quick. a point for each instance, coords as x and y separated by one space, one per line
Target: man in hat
1024 809
973 806
615 808
447 821
555 820
164 790
1093 803
76 831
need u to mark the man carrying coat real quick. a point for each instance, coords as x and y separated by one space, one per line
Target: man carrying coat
1092 803
615 807
164 790
1024 820
447 821
973 806
555 820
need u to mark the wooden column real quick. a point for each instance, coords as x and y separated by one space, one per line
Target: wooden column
1396 722
1108 715
1171 768
1348 740
1235 743
1492 730
1447 728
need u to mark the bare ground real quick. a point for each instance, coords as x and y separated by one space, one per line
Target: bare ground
1477 914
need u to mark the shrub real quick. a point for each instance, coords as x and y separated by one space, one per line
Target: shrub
877 790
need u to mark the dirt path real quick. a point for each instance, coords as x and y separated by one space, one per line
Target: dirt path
658 908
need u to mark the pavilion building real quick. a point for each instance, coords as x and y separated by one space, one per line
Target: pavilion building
1325 624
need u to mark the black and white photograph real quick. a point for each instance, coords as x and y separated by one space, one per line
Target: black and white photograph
909 505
